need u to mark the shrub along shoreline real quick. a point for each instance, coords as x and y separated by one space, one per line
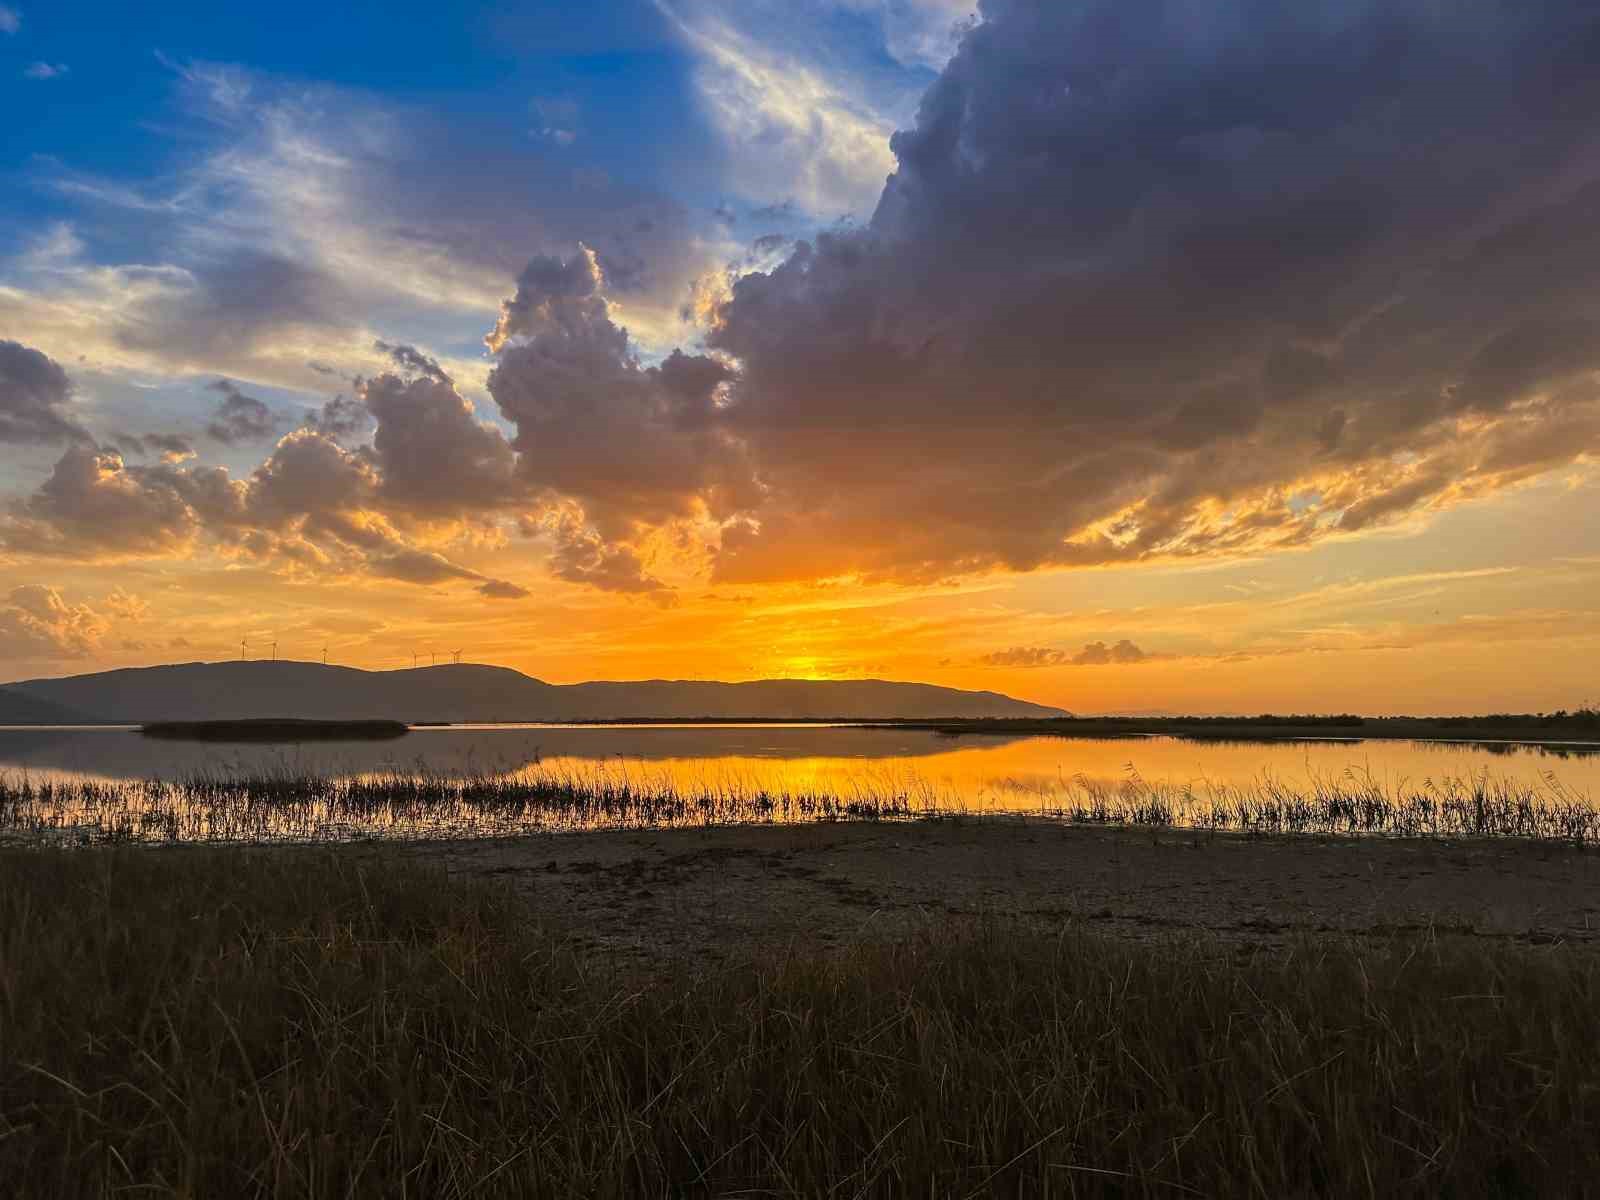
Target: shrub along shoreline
341 1021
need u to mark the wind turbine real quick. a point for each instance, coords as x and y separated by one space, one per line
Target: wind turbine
324 656
413 660
433 658
243 642
457 653
274 651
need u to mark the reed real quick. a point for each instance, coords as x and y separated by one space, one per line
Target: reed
289 805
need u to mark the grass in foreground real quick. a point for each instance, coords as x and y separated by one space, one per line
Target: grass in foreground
333 1023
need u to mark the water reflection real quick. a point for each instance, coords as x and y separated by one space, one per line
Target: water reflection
981 771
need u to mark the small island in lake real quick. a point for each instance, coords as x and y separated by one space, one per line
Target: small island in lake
275 729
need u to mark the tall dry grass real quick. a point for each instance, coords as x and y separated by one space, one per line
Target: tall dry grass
339 1022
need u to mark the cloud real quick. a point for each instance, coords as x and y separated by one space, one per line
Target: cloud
579 554
295 211
499 589
1093 654
434 454
312 506
632 445
35 622
34 391
170 447
340 417
44 70
10 19
239 418
794 131
1151 287
93 505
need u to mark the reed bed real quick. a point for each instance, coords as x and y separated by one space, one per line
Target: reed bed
287 805
1353 802
291 806
344 1022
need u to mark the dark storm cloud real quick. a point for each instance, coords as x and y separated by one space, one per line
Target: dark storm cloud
1148 272
633 445
34 392
435 456
238 417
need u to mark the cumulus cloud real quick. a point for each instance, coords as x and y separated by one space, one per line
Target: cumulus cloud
1093 654
94 505
581 555
35 622
1150 285
312 505
434 454
34 394
634 446
238 417
1146 282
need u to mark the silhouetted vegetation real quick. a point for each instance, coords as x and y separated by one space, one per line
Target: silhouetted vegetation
345 1023
1580 724
275 729
288 805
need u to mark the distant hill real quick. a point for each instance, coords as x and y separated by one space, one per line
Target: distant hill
20 708
472 692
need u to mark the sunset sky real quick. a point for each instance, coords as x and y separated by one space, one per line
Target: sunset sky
1116 354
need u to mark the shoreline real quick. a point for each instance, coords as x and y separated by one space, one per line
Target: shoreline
661 897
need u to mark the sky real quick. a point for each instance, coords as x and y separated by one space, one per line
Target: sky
1125 355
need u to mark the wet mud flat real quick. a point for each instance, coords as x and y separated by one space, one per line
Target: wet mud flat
704 896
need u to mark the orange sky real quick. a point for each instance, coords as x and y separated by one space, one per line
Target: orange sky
1487 606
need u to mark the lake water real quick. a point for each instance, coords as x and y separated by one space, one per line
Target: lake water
988 773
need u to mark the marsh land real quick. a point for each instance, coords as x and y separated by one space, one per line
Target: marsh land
726 964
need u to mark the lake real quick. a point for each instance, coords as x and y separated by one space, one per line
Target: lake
930 770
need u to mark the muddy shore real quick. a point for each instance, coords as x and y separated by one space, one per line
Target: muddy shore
705 896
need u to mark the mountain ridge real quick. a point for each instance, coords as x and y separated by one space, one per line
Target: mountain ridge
238 690
19 708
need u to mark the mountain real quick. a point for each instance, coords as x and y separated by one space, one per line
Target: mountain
19 708
473 692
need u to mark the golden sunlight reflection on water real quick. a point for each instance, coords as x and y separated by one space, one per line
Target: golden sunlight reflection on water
982 772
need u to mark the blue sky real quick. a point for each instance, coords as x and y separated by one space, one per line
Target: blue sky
461 139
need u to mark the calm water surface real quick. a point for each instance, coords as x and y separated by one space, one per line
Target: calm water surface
996 773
